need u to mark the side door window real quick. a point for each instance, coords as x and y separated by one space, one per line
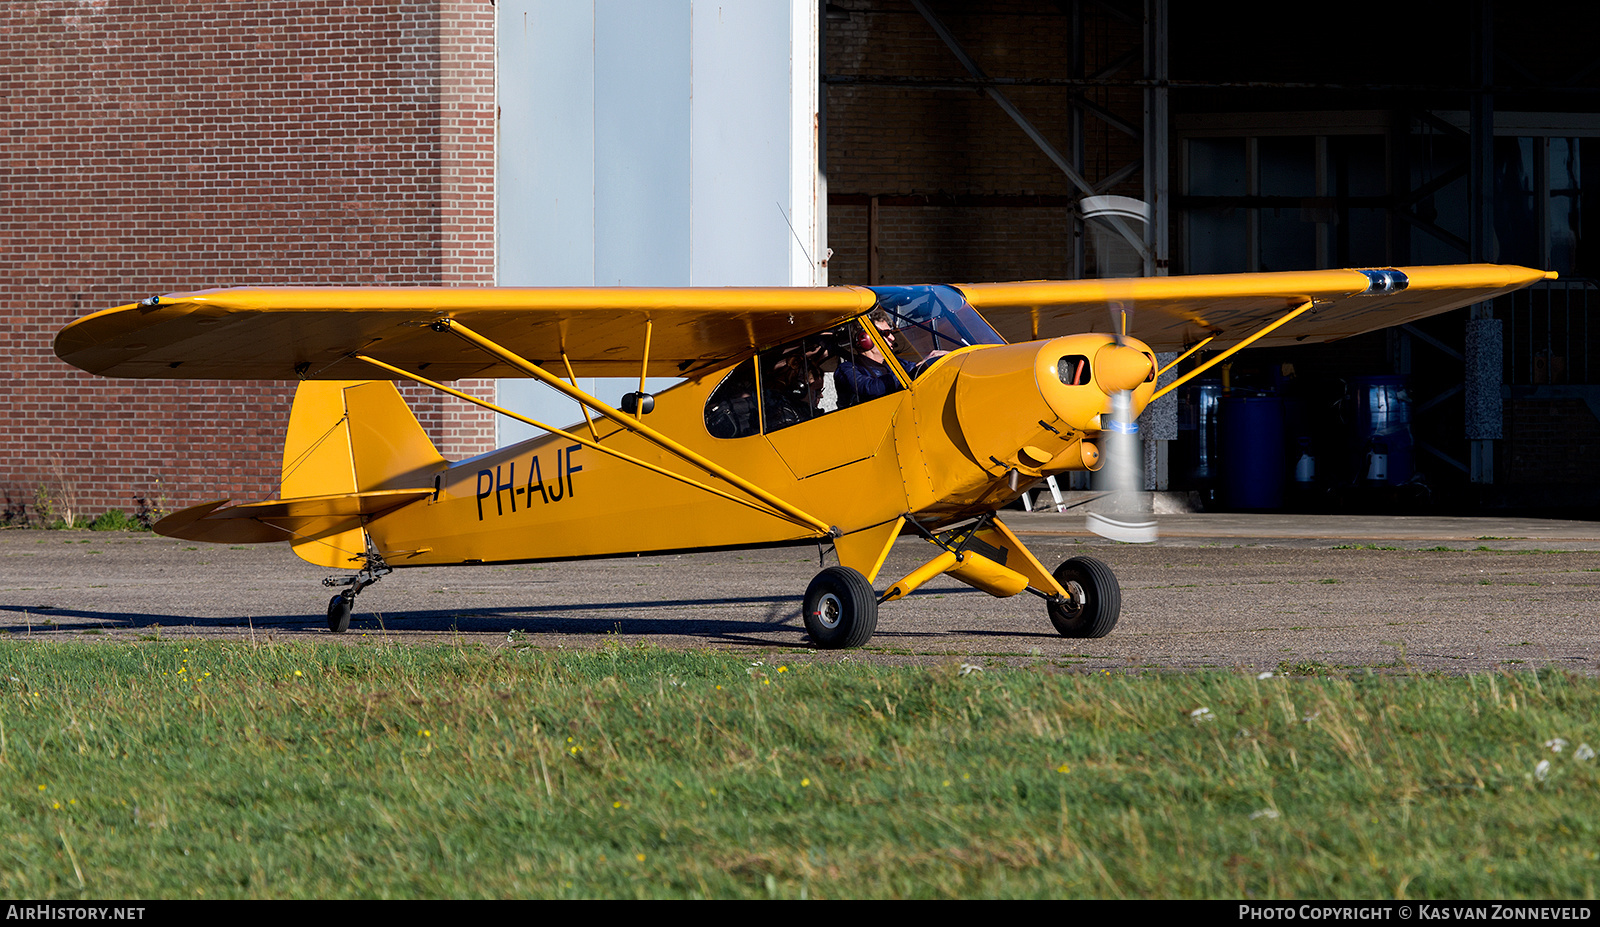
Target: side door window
823 373
731 410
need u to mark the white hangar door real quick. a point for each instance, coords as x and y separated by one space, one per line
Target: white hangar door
654 143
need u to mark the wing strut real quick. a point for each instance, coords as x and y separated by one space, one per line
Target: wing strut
594 445
1255 336
1185 356
584 409
633 424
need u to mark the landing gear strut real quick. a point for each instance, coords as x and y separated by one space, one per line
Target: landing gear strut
340 606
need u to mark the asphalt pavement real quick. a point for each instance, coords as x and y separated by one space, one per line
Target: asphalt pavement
1237 592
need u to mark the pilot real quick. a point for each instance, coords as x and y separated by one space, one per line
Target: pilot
867 376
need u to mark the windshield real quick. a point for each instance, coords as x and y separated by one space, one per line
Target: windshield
928 321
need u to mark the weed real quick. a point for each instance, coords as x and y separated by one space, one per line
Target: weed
44 505
13 514
115 520
55 504
152 506
1305 668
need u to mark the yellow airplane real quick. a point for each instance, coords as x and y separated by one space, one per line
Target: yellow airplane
841 414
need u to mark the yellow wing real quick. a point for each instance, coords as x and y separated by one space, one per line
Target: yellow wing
310 332
286 333
1171 313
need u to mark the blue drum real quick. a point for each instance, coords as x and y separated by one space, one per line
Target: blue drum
1381 419
1253 465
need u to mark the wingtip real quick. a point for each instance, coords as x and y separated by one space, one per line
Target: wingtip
1551 275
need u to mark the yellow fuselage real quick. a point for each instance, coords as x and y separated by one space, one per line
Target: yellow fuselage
942 450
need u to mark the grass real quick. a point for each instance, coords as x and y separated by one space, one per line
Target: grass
181 770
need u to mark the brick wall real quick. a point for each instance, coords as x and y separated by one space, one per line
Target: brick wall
1551 442
964 194
160 148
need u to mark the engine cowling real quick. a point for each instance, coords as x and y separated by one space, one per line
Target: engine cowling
1030 406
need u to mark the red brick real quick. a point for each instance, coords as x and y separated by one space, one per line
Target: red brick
198 144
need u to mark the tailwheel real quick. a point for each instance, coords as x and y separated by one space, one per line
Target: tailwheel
339 608
1094 600
840 609
373 568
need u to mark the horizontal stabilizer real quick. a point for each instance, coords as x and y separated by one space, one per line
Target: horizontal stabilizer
282 519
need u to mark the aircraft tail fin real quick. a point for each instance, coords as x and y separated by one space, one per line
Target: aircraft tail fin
350 437
353 451
354 436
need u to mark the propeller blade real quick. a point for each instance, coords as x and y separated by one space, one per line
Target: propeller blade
1122 476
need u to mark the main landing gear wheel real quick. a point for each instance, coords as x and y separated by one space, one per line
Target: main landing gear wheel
1094 599
840 609
339 608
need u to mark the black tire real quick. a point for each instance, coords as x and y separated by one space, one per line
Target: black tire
1092 584
840 609
339 609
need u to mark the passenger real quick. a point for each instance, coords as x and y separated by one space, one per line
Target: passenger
868 376
731 411
787 390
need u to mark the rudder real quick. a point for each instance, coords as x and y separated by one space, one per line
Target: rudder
350 436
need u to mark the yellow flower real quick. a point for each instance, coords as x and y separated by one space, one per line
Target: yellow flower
783 669
640 857
805 783
1063 768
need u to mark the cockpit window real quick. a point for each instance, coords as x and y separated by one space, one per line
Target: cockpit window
731 410
822 373
800 381
929 321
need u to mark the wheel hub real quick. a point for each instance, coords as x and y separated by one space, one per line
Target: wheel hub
828 610
1076 599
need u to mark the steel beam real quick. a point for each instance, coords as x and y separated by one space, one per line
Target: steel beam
1484 345
1156 147
1028 128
